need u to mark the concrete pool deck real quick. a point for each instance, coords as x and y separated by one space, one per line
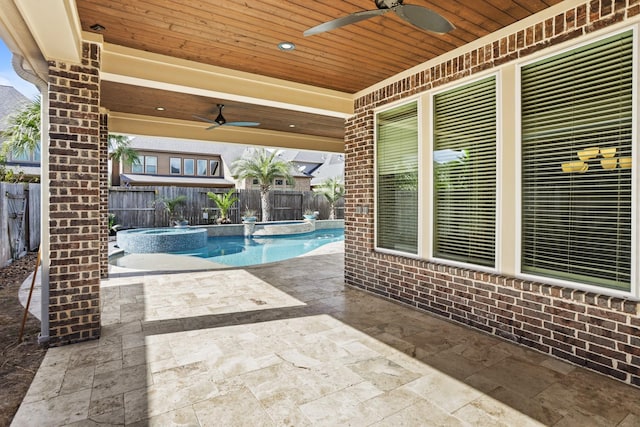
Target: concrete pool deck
288 344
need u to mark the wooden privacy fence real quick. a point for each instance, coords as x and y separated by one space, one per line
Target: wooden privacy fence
19 220
139 207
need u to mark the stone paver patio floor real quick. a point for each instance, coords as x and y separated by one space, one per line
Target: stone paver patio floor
289 344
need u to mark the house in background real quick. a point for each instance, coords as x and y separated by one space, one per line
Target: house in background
11 101
165 161
318 166
187 163
332 167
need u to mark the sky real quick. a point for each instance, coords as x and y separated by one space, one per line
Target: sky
8 77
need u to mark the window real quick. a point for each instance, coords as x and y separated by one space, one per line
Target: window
213 167
464 173
138 165
255 181
577 113
188 166
202 167
175 165
279 182
397 179
151 164
22 157
28 157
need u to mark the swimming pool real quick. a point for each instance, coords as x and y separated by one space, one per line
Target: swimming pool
238 251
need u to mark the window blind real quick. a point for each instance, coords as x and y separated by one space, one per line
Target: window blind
397 179
576 164
464 142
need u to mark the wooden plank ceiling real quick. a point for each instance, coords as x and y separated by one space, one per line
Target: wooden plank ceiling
243 35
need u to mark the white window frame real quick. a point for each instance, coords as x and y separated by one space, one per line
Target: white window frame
141 163
361 209
499 174
146 165
214 171
634 291
179 162
184 166
206 167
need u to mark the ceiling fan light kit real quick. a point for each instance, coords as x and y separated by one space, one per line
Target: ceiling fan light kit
418 16
221 121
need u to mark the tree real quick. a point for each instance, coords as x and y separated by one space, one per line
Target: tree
23 131
120 149
23 136
173 206
263 166
332 189
224 203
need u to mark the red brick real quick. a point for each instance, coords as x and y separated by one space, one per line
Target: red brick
75 162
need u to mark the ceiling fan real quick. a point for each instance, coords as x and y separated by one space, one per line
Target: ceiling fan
221 121
419 16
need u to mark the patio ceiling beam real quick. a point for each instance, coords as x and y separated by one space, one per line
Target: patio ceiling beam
55 27
130 66
154 126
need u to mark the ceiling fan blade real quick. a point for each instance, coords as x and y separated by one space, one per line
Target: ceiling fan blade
345 20
204 119
424 18
221 121
241 124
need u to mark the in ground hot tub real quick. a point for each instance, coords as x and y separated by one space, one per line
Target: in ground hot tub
161 240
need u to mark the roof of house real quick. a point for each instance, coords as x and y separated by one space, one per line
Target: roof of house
155 179
309 160
10 101
333 168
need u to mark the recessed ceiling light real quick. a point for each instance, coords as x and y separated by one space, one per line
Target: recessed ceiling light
97 27
292 126
286 46
160 108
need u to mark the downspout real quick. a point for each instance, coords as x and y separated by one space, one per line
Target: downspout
17 61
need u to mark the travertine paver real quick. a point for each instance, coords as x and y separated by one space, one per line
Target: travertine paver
288 344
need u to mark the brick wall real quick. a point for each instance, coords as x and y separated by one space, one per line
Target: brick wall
596 331
104 195
75 200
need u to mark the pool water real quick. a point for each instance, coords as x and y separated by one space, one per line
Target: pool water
239 251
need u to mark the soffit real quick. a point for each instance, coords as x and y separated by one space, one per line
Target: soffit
243 34
193 55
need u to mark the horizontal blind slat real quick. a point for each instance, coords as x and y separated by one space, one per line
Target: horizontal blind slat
577 225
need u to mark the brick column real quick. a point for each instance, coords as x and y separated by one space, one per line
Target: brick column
359 200
104 195
75 219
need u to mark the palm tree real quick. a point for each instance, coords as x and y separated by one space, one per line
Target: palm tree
23 131
224 203
23 135
173 206
264 166
332 189
120 149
